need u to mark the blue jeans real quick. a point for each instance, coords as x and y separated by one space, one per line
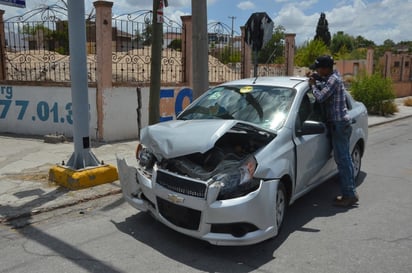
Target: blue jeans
341 132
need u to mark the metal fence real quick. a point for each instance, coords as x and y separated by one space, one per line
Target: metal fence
37 46
132 49
37 49
224 53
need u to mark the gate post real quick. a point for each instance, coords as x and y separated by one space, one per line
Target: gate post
103 58
2 49
246 56
289 52
187 49
388 64
369 61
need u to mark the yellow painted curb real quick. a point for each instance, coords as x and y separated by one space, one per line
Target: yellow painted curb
83 178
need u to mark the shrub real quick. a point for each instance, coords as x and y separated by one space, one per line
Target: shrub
376 92
408 102
389 107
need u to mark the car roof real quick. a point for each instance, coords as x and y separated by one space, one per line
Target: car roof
281 81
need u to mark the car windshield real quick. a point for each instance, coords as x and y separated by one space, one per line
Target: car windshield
266 106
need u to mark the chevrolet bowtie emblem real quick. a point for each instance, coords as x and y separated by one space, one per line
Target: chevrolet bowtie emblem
175 199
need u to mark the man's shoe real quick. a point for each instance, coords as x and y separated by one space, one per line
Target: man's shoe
344 201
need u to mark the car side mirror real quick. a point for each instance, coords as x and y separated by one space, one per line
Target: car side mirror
310 127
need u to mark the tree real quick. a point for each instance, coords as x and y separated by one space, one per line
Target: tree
322 30
138 39
61 37
147 34
307 54
341 40
361 42
272 52
176 44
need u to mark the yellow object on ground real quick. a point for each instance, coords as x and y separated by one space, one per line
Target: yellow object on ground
83 178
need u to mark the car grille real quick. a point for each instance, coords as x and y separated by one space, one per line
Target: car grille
178 215
181 185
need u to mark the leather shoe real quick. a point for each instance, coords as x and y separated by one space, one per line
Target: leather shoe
345 201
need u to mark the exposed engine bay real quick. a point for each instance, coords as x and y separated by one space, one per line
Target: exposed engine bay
227 153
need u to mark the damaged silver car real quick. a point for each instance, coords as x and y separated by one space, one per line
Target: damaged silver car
227 168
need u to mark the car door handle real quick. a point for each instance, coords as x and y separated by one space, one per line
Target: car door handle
353 121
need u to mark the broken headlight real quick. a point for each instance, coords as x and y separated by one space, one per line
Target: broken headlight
239 181
145 157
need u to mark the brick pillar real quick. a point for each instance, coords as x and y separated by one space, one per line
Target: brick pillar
290 53
246 56
103 58
388 64
369 61
187 49
2 48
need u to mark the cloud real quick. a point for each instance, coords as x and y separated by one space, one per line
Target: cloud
246 5
374 20
295 21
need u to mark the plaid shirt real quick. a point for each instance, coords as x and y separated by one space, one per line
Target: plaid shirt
332 92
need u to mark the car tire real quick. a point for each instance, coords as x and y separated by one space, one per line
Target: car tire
357 161
281 205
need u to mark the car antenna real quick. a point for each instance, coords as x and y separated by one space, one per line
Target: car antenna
267 61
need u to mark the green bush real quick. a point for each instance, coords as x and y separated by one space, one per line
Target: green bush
376 92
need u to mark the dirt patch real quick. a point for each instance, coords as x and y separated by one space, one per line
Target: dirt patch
40 177
38 174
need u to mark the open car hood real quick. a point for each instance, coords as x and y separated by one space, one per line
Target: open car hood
182 137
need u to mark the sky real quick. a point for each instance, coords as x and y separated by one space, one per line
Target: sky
372 19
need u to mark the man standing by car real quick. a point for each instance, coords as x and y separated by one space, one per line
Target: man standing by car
327 87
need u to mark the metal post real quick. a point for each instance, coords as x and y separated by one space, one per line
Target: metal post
82 156
155 70
3 76
255 63
200 48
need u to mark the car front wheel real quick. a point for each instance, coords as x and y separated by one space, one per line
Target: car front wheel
281 205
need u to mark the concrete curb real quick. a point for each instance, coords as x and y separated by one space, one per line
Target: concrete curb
85 178
389 121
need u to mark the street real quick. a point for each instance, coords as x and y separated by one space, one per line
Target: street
107 235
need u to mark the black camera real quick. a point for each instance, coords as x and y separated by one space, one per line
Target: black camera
317 77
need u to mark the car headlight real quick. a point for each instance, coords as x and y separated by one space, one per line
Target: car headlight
238 182
144 157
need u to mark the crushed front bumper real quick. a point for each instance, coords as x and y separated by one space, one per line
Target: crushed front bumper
239 221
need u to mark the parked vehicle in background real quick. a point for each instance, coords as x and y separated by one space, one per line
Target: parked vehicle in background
228 167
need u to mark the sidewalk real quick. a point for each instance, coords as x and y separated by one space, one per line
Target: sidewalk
25 162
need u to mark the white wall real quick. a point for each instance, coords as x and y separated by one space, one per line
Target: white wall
119 113
120 109
40 110
36 110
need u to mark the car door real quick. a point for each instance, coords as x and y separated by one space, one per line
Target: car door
314 160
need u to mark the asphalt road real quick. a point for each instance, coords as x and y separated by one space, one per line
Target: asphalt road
107 235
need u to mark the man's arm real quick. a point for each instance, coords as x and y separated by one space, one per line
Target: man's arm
328 89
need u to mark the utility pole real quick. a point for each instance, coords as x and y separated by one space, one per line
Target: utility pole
232 34
156 69
83 168
233 20
82 156
200 50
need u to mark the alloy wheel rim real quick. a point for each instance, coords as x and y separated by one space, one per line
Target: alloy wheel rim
280 207
356 162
